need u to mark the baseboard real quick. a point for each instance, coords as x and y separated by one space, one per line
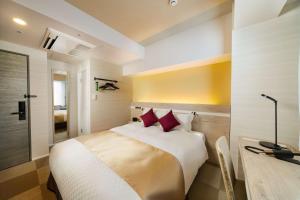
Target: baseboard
39 157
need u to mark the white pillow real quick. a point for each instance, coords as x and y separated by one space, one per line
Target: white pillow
185 120
161 112
145 110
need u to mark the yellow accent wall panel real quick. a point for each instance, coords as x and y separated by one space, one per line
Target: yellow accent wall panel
209 84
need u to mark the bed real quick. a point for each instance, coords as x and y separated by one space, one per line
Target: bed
60 116
80 174
60 119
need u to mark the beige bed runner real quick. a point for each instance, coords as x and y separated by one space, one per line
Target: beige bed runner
154 174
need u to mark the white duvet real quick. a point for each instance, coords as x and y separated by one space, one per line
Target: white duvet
80 175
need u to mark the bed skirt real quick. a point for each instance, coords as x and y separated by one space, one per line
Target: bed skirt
51 185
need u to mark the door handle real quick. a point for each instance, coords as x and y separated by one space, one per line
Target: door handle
17 113
22 111
29 96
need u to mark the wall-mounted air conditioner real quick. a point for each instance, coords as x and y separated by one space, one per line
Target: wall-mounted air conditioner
62 43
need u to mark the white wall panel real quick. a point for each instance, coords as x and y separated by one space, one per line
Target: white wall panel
110 108
265 59
264 10
206 41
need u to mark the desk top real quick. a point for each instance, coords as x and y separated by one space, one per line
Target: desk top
268 178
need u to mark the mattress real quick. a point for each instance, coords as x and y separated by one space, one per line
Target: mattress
80 175
188 147
60 116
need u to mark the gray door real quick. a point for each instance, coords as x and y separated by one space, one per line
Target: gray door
14 122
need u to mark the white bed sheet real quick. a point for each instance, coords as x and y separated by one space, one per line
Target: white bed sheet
188 147
80 175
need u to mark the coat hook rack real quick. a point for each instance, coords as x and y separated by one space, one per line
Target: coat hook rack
109 84
103 79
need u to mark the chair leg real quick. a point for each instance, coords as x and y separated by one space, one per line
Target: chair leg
187 197
240 190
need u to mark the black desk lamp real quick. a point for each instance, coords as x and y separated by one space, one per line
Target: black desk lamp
271 145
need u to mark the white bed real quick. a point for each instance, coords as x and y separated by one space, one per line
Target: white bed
80 175
60 116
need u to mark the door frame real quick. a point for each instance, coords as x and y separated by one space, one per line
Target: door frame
86 128
27 100
67 100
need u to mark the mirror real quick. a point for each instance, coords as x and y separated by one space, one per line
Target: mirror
60 106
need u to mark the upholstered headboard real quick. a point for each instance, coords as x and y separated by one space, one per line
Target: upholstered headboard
211 120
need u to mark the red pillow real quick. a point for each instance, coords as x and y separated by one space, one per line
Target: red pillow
149 118
168 122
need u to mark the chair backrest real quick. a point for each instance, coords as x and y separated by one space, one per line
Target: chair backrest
226 166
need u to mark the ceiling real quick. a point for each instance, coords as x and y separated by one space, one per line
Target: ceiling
32 34
142 19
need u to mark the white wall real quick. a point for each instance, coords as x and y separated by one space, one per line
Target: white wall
84 97
208 40
110 108
39 106
265 59
251 12
72 72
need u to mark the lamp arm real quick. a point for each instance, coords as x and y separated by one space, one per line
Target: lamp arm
275 103
276 123
268 97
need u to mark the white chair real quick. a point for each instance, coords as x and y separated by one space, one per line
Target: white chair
235 190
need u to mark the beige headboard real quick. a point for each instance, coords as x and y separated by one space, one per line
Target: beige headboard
211 120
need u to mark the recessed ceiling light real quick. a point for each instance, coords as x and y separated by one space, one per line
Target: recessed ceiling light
19 21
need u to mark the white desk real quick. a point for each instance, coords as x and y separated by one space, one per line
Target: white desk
268 178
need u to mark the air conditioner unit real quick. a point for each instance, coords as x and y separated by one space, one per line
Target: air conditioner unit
63 43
